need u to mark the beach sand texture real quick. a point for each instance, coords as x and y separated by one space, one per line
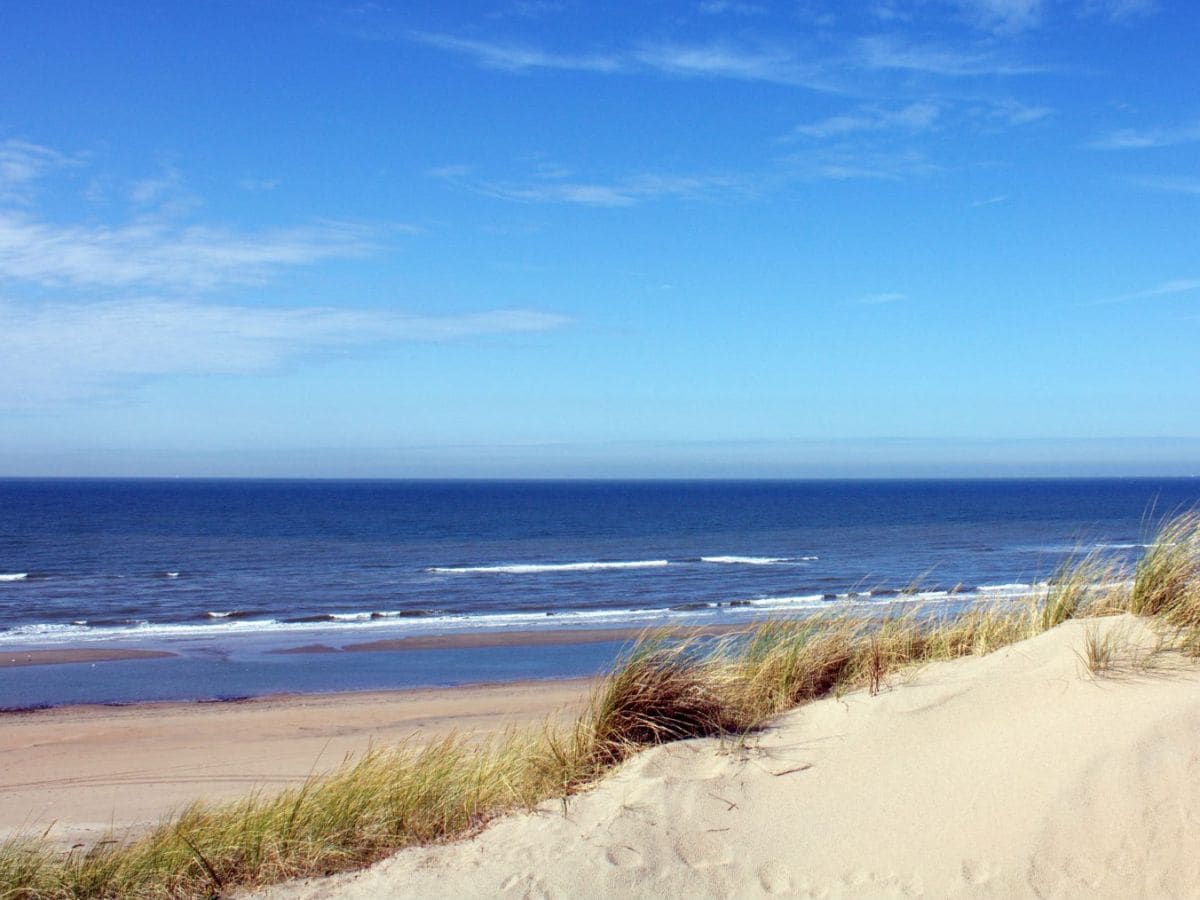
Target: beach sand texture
1016 774
85 771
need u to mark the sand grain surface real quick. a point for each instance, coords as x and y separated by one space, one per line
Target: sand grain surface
1010 775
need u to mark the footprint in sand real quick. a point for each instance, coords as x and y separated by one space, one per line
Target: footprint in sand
528 887
624 857
702 851
775 877
976 872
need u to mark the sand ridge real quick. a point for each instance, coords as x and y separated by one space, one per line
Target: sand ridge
1009 775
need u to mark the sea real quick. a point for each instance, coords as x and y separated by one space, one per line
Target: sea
232 577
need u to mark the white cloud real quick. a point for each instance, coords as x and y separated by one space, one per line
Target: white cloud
843 163
556 186
879 299
512 57
1174 184
58 352
720 7
1167 288
22 163
711 60
1119 10
1014 112
719 60
161 255
885 52
1003 15
259 185
914 117
1132 139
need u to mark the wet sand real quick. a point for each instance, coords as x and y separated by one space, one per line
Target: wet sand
10 659
549 637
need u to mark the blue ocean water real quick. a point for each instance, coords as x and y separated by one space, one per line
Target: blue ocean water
226 570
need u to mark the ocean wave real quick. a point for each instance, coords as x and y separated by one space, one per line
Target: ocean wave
756 560
236 623
544 568
13 576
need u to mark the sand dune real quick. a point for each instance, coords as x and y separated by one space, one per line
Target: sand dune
1013 774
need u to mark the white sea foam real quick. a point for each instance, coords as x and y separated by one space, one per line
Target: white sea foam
403 623
13 576
756 560
541 568
46 630
1015 587
803 600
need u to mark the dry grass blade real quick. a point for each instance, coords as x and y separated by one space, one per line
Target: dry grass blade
1166 581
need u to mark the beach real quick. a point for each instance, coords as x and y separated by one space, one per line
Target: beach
78 773
1015 774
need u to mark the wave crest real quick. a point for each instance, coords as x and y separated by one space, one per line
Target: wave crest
547 568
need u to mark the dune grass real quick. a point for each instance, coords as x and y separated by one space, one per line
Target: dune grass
664 690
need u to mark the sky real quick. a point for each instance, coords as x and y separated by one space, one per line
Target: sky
524 238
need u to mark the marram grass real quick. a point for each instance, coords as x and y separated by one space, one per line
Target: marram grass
664 690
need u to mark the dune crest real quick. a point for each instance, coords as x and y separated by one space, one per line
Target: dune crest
1019 773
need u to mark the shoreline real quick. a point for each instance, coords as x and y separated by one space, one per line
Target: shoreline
463 640
58 769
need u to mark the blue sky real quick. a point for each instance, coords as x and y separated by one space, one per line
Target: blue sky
527 238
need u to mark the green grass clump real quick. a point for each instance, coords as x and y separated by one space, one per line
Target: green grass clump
666 689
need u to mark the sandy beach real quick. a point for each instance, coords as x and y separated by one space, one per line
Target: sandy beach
1016 774
83 771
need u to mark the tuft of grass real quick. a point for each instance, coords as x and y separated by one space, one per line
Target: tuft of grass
1101 650
1166 580
665 689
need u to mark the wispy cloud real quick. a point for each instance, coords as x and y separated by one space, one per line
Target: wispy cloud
1167 288
814 67
1119 10
1014 112
158 255
1133 139
912 118
513 57
57 352
989 201
889 52
723 60
844 163
879 299
723 7
258 185
22 163
1174 184
1004 16
559 186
